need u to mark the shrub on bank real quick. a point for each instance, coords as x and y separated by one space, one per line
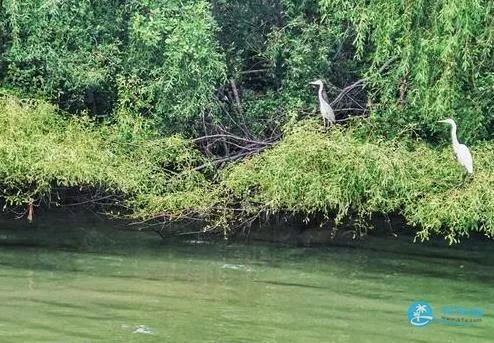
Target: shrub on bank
348 170
345 171
43 153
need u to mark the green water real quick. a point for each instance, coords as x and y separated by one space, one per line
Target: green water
101 286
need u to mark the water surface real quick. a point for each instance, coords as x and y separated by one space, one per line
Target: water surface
93 283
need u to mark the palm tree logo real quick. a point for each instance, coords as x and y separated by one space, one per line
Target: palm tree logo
420 313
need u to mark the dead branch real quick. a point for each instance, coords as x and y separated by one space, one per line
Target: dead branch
353 109
351 118
236 94
232 158
91 201
360 82
242 127
233 137
254 71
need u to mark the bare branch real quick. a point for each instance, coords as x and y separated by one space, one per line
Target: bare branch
254 71
351 118
233 137
236 94
233 158
360 82
353 109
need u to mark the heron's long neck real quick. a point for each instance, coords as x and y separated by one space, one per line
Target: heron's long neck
321 89
454 139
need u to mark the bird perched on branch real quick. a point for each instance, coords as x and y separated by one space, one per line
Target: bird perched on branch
461 150
324 106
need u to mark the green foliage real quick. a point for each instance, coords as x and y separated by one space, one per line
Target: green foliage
445 52
41 152
187 195
344 173
153 58
170 61
171 64
65 50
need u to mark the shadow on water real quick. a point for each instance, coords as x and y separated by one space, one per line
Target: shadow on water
82 233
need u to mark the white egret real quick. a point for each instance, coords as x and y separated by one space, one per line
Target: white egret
324 106
461 150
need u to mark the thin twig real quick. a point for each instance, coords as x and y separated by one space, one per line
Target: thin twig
91 201
350 109
232 158
351 118
225 111
236 94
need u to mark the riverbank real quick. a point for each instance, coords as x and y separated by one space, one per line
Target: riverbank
343 177
66 228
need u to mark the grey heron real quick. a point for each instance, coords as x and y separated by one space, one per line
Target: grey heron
324 106
462 152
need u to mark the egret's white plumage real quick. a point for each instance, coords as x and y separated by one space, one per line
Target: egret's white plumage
324 106
461 150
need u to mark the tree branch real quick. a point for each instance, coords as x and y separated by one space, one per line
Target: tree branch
234 157
360 82
233 137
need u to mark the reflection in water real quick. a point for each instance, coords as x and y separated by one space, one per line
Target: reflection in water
136 288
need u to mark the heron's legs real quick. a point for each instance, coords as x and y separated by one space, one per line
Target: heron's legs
464 178
326 124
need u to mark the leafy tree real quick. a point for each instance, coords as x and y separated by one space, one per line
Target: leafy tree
65 50
172 64
155 58
444 66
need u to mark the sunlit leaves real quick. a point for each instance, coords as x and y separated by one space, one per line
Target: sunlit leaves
41 152
158 59
346 173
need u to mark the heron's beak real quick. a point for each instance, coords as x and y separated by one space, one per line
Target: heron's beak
441 121
313 83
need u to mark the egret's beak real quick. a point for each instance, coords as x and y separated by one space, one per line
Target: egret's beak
441 121
313 83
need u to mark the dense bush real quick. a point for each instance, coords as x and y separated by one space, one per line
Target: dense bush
171 62
345 173
338 173
66 51
42 154
159 69
156 59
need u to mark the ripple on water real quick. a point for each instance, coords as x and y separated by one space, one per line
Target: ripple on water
143 329
237 267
